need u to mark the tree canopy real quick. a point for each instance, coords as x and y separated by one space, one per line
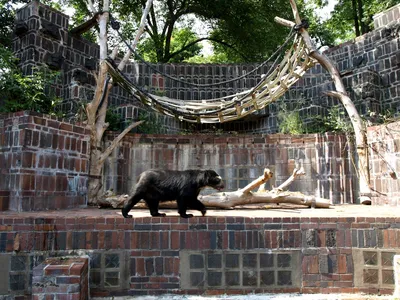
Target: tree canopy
239 30
349 19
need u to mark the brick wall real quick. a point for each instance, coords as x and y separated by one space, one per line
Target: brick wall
212 255
384 143
239 160
43 162
390 16
61 278
369 66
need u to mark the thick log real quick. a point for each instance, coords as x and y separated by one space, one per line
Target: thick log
112 201
232 199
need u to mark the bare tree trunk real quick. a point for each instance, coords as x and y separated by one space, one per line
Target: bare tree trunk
97 108
360 131
355 17
97 125
95 177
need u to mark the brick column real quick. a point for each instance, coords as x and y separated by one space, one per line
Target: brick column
43 162
64 278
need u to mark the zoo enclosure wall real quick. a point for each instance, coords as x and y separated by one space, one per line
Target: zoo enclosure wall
44 161
369 66
204 255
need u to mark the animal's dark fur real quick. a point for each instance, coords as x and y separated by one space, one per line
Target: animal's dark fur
157 185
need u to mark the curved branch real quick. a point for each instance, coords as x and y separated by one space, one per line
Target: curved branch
115 142
167 58
296 173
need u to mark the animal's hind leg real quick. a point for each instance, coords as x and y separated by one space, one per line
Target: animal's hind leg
153 207
129 204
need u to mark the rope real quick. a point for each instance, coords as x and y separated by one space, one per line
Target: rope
115 25
273 85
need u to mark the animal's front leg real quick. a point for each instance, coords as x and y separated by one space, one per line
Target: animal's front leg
182 208
196 204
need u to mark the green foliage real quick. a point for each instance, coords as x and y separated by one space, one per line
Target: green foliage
242 30
7 17
26 92
113 119
337 120
385 117
181 48
181 38
215 58
151 125
290 121
246 30
349 19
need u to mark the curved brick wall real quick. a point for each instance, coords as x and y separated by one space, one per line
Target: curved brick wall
368 66
239 160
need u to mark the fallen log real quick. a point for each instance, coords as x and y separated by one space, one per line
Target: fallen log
244 196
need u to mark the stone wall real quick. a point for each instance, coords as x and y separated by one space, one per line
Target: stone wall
61 278
384 152
203 255
239 160
45 39
43 162
369 66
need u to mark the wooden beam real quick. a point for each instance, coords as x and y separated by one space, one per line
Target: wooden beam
84 27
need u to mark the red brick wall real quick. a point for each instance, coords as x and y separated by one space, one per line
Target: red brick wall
43 162
153 247
61 278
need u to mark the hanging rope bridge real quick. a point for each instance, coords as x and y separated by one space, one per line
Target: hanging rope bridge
295 62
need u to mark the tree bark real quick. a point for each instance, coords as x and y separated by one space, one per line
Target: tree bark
96 109
355 17
139 33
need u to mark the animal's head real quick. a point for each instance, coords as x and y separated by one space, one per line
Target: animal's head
212 179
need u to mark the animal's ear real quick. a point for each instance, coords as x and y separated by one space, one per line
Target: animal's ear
209 174
206 176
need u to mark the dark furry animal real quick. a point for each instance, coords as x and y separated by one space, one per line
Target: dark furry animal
157 185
